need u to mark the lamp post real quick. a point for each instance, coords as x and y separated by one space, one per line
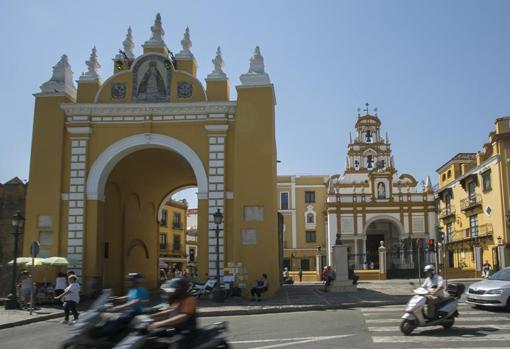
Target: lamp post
218 293
17 223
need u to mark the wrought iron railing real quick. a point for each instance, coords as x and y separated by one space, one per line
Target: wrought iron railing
447 212
471 202
474 232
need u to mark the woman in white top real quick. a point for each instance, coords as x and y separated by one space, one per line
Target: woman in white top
25 288
71 298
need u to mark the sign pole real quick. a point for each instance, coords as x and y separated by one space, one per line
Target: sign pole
34 251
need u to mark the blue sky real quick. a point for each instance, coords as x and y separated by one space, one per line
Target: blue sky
438 71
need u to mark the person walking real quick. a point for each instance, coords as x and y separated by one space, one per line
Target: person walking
25 284
300 273
71 297
486 269
329 277
60 284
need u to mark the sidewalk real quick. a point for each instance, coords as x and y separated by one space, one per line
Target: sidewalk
290 298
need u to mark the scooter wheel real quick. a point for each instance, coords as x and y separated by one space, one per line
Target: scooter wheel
223 345
406 327
447 323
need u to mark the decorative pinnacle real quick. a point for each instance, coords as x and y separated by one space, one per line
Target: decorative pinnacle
61 79
157 33
218 72
257 62
93 66
186 41
129 45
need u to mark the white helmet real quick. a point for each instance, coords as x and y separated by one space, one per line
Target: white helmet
429 268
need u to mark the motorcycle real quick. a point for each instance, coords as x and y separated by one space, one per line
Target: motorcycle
212 337
446 310
87 331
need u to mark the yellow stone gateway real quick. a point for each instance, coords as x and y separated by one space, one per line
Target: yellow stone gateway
107 154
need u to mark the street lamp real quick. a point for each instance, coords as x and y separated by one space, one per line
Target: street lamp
218 293
17 223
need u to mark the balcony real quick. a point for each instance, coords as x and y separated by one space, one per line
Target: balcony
447 213
471 202
472 233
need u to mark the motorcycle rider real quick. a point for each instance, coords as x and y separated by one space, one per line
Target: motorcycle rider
182 315
434 283
136 295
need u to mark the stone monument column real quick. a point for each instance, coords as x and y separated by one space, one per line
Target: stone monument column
340 258
383 266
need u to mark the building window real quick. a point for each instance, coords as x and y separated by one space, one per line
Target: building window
444 177
191 255
309 197
449 231
449 173
164 218
305 264
471 190
162 242
486 181
311 236
284 201
177 243
310 219
473 225
177 221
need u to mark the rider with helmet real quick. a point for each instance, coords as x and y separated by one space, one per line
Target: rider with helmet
132 306
182 314
434 283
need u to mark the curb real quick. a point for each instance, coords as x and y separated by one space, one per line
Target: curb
294 309
31 320
237 312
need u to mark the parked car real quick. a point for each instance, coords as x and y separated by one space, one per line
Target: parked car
493 292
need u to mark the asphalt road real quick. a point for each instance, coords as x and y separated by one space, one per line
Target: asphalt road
368 328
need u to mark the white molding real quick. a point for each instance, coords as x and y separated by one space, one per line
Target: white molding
79 130
310 186
107 160
144 109
216 128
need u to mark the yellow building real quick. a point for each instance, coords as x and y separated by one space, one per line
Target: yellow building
173 250
107 153
302 204
473 204
370 202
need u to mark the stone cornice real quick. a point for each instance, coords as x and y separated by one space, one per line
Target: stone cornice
142 109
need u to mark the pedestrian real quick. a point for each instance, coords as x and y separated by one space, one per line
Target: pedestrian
300 273
25 284
324 273
60 284
71 297
486 269
330 277
259 287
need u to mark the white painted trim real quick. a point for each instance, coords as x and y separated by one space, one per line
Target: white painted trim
280 201
107 160
79 130
310 186
397 222
144 109
480 168
216 128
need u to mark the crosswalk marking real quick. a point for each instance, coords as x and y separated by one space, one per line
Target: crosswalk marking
473 327
460 319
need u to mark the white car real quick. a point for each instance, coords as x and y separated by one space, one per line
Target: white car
493 292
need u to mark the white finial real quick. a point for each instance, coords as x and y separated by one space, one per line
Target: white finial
350 138
129 45
347 162
93 66
217 73
387 138
186 45
428 185
61 80
157 33
392 162
256 74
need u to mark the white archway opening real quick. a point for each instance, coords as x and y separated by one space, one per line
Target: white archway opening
105 162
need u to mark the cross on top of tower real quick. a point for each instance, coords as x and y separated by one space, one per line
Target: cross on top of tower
366 108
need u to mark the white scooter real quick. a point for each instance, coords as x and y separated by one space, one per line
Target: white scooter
446 311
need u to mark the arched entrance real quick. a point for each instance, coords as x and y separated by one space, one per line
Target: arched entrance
381 228
133 177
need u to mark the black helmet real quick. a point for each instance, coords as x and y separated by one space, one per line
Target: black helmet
176 288
134 277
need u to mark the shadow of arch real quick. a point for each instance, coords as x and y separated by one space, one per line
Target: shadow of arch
137 242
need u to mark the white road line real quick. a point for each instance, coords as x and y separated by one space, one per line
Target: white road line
461 312
460 319
401 308
290 339
436 339
480 327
